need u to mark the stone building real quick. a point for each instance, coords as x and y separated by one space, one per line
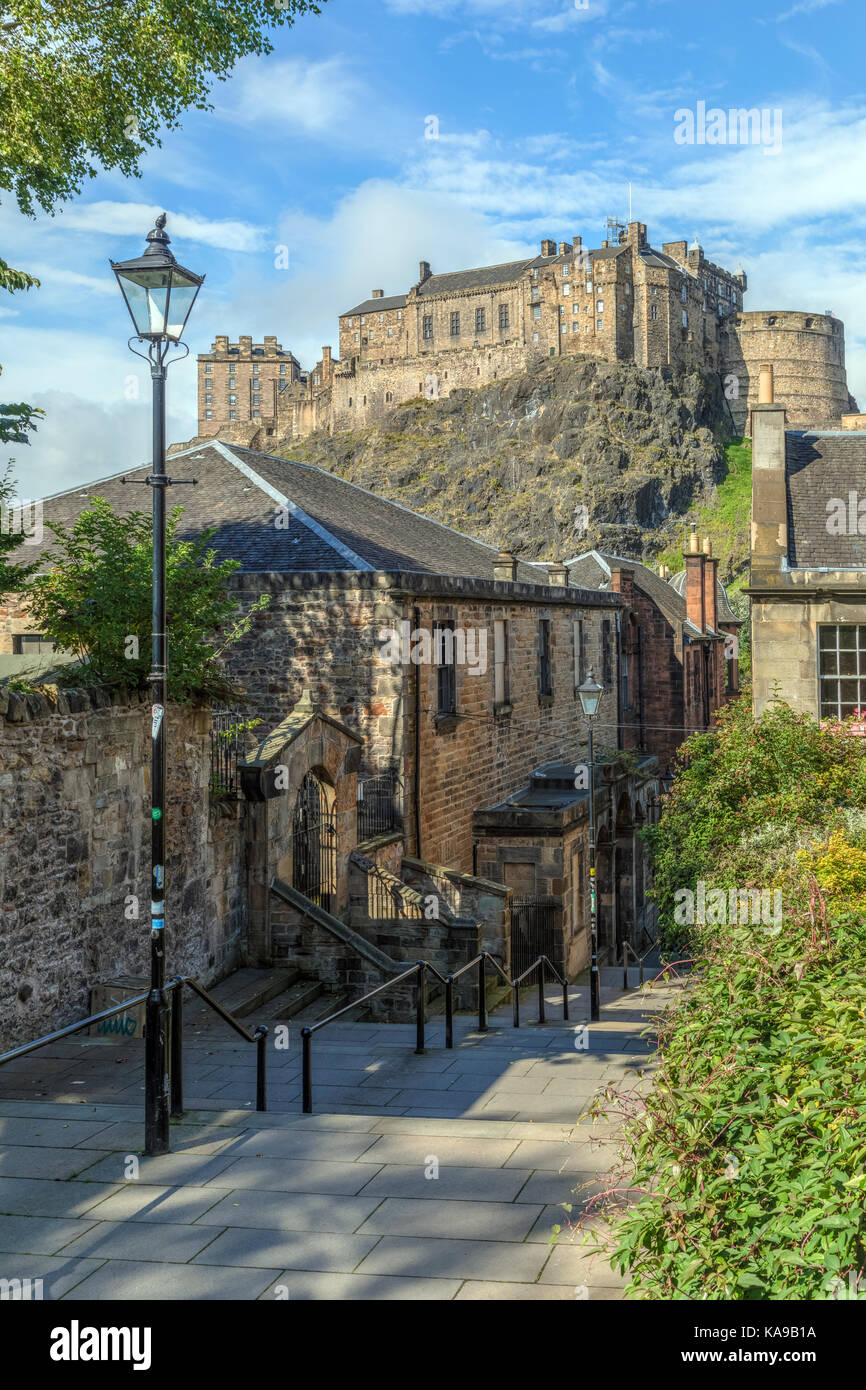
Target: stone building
242 381
622 301
807 580
406 677
676 644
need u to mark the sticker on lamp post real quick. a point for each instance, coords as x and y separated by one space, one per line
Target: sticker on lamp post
157 711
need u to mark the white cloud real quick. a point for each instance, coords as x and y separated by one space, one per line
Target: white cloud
804 7
136 220
295 95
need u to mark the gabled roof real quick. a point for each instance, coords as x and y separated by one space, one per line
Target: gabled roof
593 570
822 467
725 611
278 515
480 278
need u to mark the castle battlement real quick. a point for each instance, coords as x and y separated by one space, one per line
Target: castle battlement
621 301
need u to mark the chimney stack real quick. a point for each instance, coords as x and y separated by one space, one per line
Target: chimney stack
711 593
695 594
557 574
424 272
378 294
505 566
548 248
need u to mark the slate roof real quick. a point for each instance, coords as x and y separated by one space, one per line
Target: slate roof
593 569
370 306
330 525
821 465
726 612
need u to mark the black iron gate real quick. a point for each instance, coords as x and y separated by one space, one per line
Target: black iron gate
536 930
314 844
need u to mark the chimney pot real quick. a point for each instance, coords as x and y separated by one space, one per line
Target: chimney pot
708 546
765 384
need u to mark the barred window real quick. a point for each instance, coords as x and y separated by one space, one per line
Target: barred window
842 669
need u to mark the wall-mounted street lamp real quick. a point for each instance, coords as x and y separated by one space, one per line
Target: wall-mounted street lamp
591 694
159 295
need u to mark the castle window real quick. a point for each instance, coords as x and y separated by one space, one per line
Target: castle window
255 400
232 383
283 366
628 289
480 320
563 328
536 313
381 318
233 400
208 415
566 289
363 319
685 292
535 273
446 671
600 306
545 666
685 318
504 317
357 337
599 323
427 327
575 328
399 313
233 415
256 414
535 337
654 311
207 368
455 325
575 308
390 332
589 287
208 400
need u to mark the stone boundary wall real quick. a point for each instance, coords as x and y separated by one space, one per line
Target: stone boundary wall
75 853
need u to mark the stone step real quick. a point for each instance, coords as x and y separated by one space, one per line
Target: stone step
323 1007
291 1002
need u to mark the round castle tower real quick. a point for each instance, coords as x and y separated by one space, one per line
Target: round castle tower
808 356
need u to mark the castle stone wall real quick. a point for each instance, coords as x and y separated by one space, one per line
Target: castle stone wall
807 352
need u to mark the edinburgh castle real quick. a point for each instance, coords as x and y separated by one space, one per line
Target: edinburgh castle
623 301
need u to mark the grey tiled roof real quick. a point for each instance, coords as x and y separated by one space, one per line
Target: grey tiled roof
481 278
330 525
370 306
822 465
726 613
592 570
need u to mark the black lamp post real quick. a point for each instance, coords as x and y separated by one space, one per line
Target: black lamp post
590 698
159 295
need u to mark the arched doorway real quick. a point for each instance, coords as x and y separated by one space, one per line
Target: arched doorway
314 842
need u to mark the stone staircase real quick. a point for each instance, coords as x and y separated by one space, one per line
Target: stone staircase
264 996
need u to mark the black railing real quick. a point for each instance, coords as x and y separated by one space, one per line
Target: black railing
225 743
380 805
174 990
419 971
536 930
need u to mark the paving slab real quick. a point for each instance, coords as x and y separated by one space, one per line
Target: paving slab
289 1211
47 1133
295 1175
407 1149
462 1184
164 1170
487 1290
42 1197
466 1220
465 1259
59 1275
141 1202
37 1235
165 1242
257 1248
330 1145
23 1162
304 1285
135 1282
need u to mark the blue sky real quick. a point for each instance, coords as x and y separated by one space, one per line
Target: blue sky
546 111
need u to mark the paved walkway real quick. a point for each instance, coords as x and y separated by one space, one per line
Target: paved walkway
434 1177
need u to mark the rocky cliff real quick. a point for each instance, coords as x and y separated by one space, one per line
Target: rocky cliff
571 454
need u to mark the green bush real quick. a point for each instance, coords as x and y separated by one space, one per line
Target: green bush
747 1158
96 601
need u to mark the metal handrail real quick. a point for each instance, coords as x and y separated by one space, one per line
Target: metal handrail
71 1028
174 990
420 970
638 960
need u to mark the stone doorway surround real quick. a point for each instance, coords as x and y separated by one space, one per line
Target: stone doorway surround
309 740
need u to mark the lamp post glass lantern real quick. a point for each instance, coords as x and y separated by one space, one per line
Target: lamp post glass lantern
591 694
159 295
